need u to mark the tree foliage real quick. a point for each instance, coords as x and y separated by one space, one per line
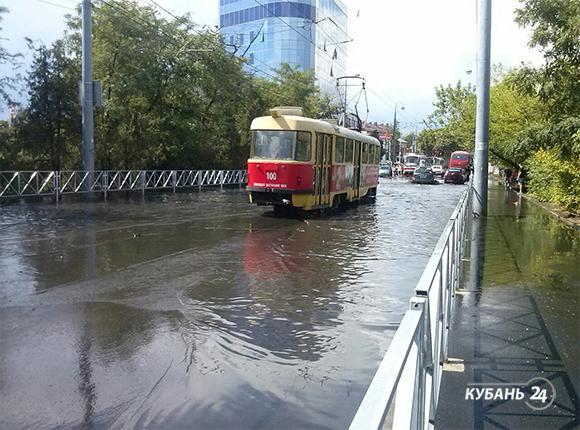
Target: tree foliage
534 112
48 129
451 126
555 30
174 97
8 61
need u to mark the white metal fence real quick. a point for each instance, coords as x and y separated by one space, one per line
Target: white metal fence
409 376
42 183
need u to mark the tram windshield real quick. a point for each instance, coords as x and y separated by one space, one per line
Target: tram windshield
281 145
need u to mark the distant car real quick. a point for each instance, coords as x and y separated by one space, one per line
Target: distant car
455 175
437 169
423 175
385 170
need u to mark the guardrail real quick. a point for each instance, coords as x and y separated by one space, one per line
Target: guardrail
46 183
410 372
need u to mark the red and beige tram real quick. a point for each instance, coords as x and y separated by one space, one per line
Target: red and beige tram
309 164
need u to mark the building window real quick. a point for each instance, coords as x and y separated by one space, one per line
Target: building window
279 9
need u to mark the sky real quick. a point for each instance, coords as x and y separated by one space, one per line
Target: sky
403 49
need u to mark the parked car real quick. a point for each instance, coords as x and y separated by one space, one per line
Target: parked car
455 175
437 169
423 175
385 169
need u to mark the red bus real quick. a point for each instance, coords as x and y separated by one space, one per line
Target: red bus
461 159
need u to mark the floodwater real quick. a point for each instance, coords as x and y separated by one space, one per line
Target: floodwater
198 310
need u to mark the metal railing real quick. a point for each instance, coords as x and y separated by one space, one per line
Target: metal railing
46 183
405 389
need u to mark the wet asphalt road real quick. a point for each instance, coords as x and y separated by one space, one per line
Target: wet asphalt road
202 311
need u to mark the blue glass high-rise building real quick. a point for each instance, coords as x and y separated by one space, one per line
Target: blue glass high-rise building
311 34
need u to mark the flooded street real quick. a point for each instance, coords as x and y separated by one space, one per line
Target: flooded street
198 310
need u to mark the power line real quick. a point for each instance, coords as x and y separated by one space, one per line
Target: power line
56 4
292 5
409 116
257 69
296 31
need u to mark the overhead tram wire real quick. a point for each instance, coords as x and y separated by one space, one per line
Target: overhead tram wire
171 39
292 5
297 32
402 112
189 27
143 24
56 4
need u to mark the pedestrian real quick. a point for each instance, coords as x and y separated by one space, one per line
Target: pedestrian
507 172
521 180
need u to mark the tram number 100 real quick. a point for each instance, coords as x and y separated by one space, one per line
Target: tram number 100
271 176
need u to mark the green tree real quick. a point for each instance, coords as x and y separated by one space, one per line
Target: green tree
294 87
451 126
174 97
50 130
8 61
555 30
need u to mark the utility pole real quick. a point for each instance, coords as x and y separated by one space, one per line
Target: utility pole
482 116
394 131
87 88
393 137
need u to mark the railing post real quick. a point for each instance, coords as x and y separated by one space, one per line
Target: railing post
105 183
174 179
56 185
221 180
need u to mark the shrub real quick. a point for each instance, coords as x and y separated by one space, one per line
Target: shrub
555 179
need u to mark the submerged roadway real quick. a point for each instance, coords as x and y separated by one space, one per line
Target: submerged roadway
199 310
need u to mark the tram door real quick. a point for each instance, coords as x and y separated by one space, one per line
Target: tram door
356 170
322 169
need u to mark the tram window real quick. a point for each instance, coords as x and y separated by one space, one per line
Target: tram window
273 144
303 146
348 151
365 153
339 150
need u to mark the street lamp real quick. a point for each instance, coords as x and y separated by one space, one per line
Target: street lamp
395 131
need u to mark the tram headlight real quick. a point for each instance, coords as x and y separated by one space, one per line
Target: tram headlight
298 180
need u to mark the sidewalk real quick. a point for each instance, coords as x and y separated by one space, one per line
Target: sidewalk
515 319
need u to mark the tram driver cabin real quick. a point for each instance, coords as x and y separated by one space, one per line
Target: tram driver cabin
309 164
